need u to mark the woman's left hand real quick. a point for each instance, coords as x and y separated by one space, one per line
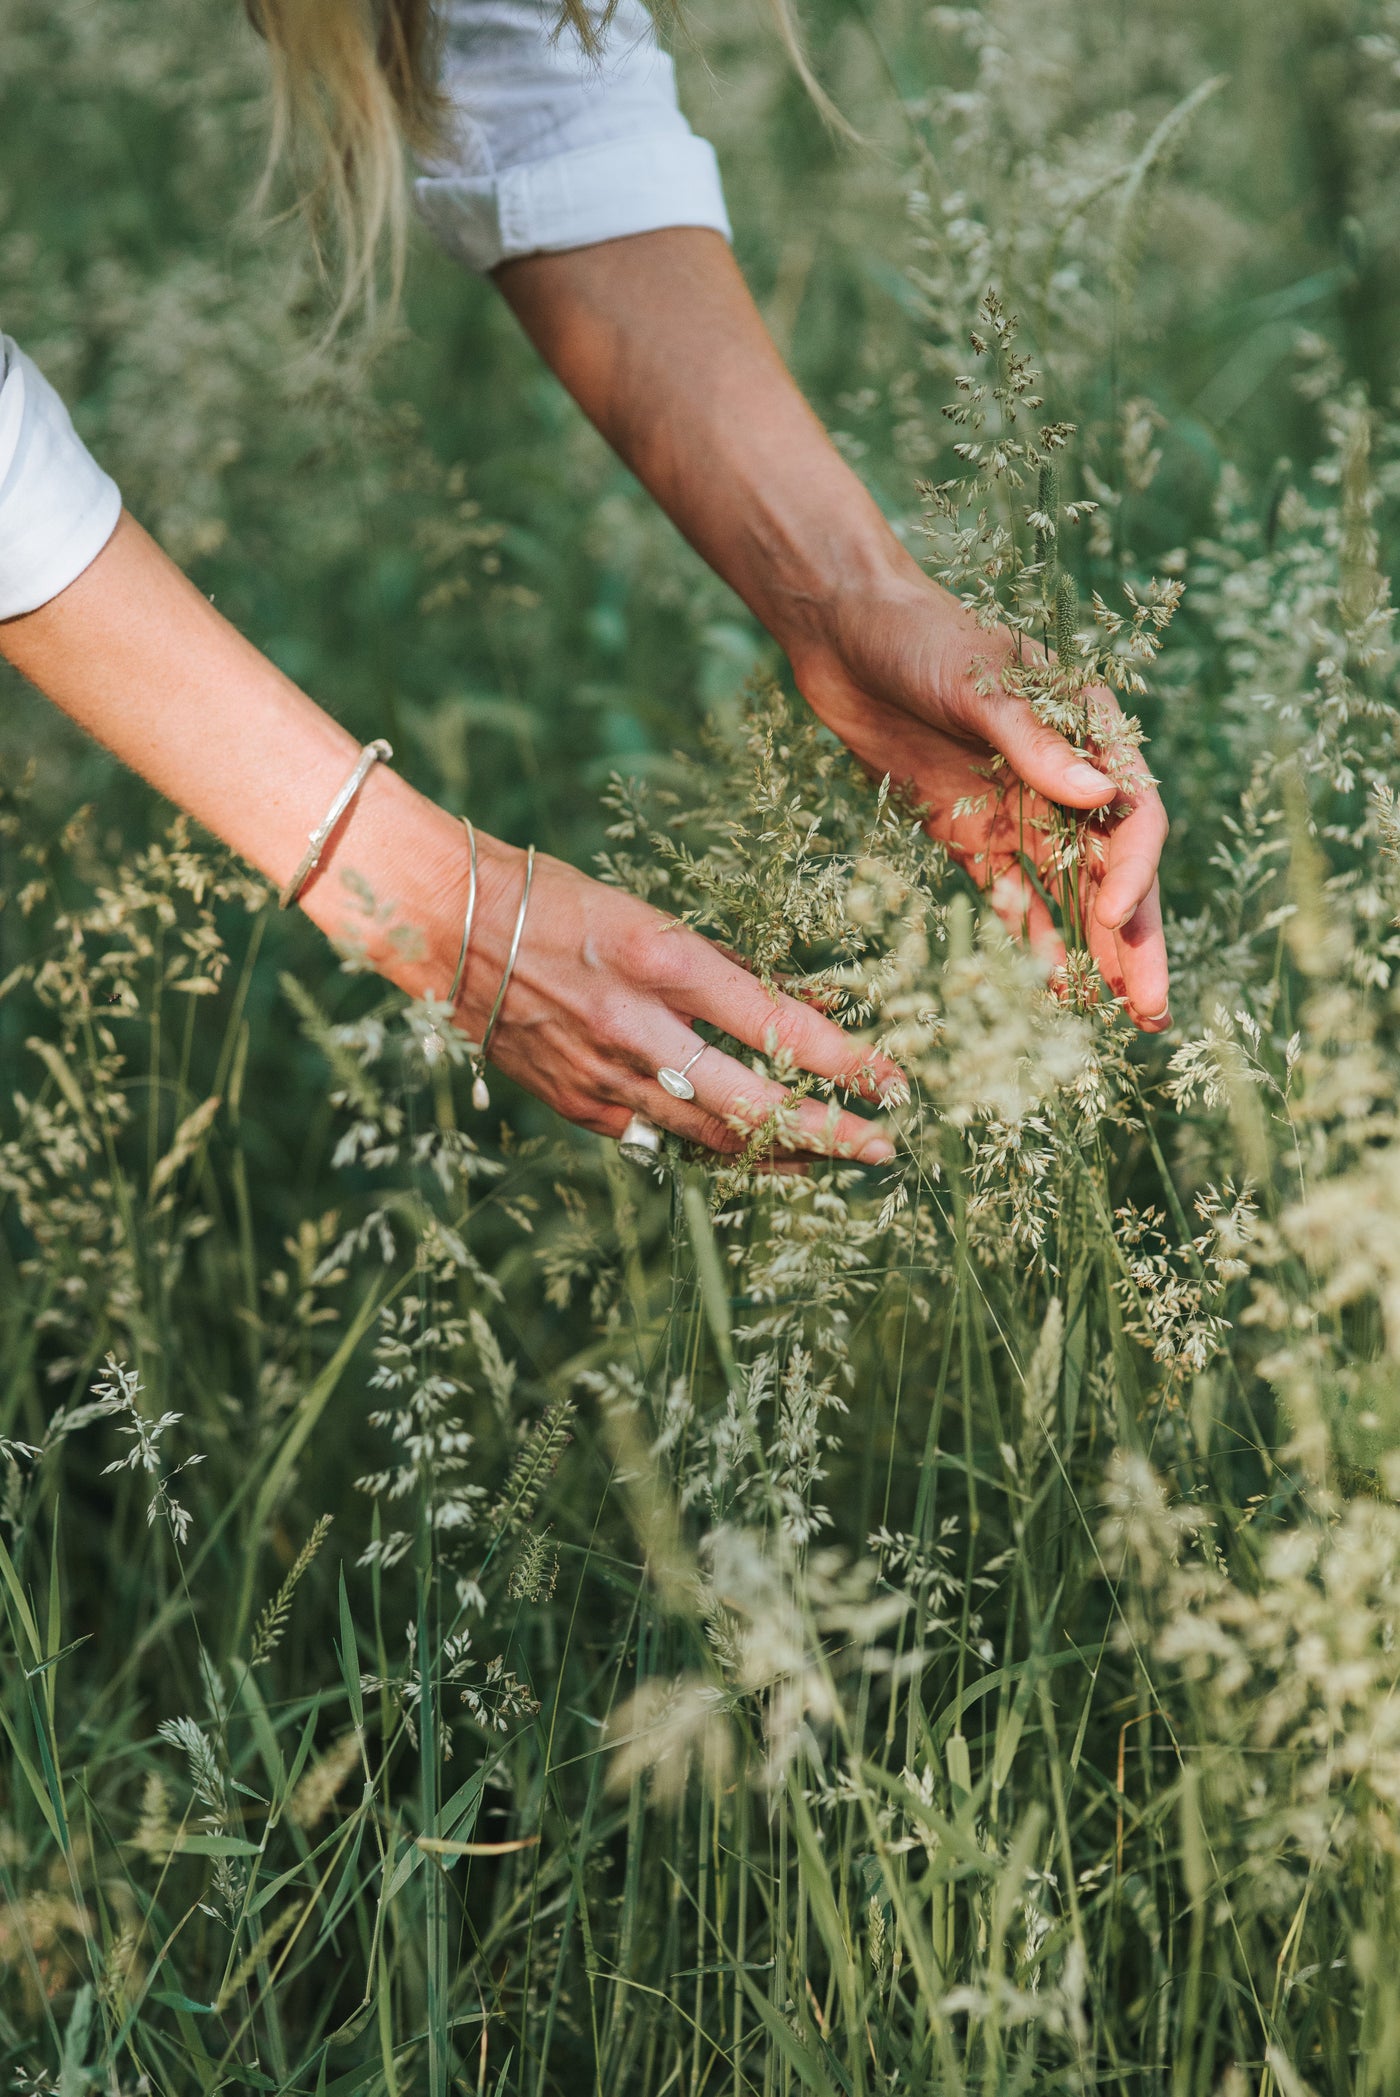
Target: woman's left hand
604 997
897 677
658 339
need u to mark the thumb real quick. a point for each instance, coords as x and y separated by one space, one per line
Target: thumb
1046 761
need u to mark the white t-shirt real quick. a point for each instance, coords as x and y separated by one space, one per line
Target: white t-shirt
547 150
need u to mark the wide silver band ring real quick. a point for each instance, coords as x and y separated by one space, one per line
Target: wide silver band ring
640 1141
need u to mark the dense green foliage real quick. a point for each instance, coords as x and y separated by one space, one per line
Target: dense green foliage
479 1618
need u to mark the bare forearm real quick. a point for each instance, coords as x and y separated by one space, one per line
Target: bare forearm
659 341
135 655
603 987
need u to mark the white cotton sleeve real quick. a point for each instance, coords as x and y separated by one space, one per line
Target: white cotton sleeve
58 508
550 149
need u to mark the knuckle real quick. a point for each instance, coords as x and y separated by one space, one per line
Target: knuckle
671 959
611 1089
716 1134
777 1024
588 1099
970 712
614 1025
634 946
783 1033
744 1116
631 957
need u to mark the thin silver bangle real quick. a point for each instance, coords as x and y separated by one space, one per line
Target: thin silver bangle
467 921
481 1098
373 753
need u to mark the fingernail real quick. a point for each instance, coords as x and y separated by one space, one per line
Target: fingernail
1085 780
879 1152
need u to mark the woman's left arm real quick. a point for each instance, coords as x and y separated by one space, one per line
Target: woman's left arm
659 340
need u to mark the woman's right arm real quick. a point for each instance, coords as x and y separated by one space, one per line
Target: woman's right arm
605 988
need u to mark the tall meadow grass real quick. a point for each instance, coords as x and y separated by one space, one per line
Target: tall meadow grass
481 1618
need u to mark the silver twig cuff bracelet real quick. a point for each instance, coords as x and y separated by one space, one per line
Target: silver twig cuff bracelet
372 754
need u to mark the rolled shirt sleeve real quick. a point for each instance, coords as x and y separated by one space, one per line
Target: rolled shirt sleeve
549 148
58 508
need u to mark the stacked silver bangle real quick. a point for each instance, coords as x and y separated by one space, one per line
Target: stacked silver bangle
380 752
455 992
641 1139
481 1097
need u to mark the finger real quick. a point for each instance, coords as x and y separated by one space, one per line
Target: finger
1134 850
625 1082
1133 963
731 1101
729 997
692 1123
1045 760
1142 957
700 1128
1103 946
738 1096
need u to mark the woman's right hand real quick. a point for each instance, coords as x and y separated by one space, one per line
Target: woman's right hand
606 991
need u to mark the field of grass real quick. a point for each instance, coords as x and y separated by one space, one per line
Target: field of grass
479 1618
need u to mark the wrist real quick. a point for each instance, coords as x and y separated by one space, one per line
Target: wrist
823 579
391 894
846 634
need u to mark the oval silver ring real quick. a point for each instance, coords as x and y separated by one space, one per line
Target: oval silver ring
640 1141
677 1082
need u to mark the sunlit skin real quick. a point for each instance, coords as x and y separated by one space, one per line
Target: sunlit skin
659 340
661 343
605 987
951 763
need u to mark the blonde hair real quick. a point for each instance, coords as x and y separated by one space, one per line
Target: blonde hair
356 80
353 80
